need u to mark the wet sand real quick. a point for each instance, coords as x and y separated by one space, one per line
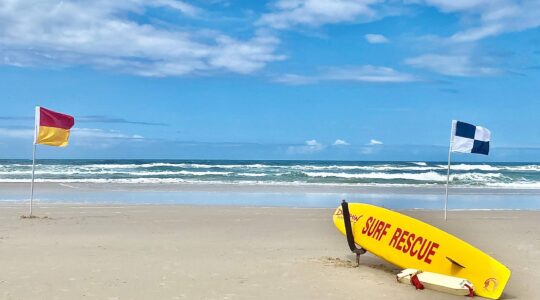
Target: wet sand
22 187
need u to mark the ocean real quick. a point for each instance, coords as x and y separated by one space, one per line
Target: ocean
398 185
346 173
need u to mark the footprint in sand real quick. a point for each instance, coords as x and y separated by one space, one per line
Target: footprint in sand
337 262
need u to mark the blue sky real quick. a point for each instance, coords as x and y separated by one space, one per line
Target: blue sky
297 79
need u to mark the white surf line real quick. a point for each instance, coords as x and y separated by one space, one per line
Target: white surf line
68 205
69 186
97 207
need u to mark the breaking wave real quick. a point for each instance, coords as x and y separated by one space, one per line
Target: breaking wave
506 175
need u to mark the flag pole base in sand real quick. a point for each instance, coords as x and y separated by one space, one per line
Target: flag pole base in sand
32 184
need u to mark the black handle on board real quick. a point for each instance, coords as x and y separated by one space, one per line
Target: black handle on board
348 226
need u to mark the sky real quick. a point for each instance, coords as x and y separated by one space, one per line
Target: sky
297 79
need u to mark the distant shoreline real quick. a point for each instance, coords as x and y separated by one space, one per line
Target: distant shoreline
268 195
267 188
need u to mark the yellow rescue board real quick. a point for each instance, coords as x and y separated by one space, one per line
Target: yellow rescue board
409 243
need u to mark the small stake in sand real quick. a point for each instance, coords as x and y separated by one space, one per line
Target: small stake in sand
51 128
465 138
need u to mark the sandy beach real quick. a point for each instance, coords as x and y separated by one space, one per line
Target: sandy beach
171 149
227 252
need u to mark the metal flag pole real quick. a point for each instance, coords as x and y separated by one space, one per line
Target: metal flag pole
448 172
36 127
32 186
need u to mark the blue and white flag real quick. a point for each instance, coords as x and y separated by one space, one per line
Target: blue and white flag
467 138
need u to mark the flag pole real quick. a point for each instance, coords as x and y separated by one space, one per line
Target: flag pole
448 172
447 181
36 127
33 172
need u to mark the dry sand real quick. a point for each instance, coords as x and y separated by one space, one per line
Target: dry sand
187 252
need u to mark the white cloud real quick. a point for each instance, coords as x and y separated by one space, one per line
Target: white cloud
376 38
371 147
102 139
486 18
288 13
451 65
17 133
294 79
481 18
455 5
367 150
92 133
311 146
79 136
107 34
340 142
185 8
366 73
101 34
313 143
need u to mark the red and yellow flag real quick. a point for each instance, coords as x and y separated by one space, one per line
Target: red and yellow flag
52 128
